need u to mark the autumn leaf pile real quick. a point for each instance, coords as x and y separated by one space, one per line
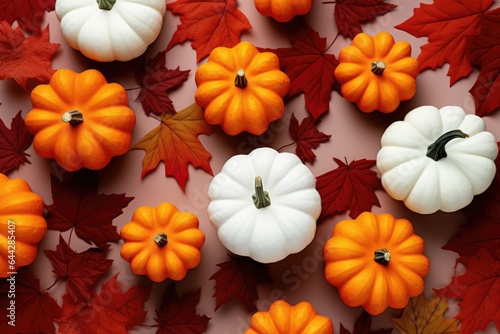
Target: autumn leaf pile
460 34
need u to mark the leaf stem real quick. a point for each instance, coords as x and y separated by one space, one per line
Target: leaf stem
335 39
133 88
286 145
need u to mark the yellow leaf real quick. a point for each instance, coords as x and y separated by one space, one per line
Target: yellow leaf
423 316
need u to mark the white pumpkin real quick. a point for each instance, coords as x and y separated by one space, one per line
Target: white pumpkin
108 30
264 205
437 159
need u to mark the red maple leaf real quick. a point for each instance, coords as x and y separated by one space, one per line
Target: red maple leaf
156 80
208 24
351 186
309 68
178 315
29 14
13 143
25 59
350 14
80 270
110 311
77 205
363 325
307 137
35 310
483 49
478 290
446 23
238 278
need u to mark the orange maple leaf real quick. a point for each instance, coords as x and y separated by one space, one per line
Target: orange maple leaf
175 142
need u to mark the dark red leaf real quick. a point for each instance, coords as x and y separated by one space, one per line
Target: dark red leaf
29 14
77 205
363 325
351 186
156 80
238 278
307 137
13 143
178 315
80 270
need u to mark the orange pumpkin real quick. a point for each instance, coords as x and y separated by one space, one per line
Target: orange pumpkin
241 88
376 261
22 225
377 73
283 10
162 242
283 318
80 120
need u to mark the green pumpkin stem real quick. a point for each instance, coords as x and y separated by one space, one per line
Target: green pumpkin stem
437 150
378 67
106 4
261 198
160 239
240 81
73 117
382 256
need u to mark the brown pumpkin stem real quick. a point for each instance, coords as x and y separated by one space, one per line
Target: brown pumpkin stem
240 81
261 198
378 67
106 4
437 150
73 117
382 256
160 239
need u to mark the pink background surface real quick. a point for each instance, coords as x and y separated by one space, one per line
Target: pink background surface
355 135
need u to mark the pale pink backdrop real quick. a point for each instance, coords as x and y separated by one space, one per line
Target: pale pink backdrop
355 135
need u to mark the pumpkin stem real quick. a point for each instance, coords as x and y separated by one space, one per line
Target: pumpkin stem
73 117
437 150
261 198
106 4
382 256
160 239
378 67
240 81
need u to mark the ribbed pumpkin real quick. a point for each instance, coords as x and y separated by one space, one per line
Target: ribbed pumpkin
283 10
375 261
162 242
22 225
283 318
376 72
80 120
241 88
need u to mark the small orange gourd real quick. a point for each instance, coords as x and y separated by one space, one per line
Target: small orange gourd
162 242
376 72
283 10
22 225
80 120
283 318
375 261
241 88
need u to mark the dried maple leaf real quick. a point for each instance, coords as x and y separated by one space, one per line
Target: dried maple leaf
363 325
29 14
238 278
351 186
13 143
422 316
307 137
208 24
310 68
350 14
178 315
446 23
110 311
80 270
175 143
77 205
35 310
156 80
27 60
